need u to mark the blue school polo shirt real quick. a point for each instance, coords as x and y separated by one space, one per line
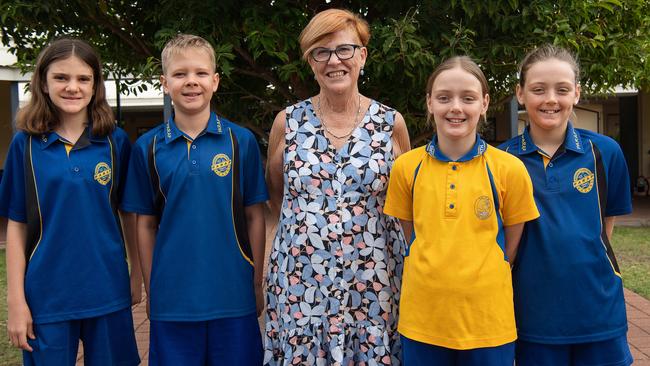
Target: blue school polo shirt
202 261
76 259
567 285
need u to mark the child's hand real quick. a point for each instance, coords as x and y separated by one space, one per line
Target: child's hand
259 299
136 290
20 326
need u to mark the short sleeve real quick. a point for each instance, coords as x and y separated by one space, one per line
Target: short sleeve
399 197
619 200
518 200
138 193
12 187
253 185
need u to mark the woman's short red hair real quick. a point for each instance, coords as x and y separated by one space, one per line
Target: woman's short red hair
328 22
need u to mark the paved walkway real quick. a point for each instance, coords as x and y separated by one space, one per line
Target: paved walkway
638 335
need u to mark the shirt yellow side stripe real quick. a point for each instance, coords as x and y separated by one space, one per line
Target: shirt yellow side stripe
232 206
38 201
600 209
155 167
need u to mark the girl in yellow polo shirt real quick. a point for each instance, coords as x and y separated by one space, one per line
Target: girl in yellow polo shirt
463 203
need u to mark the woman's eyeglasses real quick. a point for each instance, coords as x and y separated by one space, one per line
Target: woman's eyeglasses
343 52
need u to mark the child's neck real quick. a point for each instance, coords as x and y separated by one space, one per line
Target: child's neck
548 140
456 149
192 124
71 128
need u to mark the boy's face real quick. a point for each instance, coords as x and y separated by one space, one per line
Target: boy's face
190 81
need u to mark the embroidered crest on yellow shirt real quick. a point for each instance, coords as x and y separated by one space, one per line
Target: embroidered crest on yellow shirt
483 207
102 173
583 180
221 165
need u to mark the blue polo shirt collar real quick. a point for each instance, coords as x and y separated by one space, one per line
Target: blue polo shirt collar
477 150
85 139
172 132
572 141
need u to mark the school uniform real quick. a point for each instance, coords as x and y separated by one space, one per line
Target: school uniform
202 267
76 261
568 287
456 288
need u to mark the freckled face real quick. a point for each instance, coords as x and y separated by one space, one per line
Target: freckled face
549 94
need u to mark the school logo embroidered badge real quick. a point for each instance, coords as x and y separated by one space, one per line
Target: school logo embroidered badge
221 165
483 207
583 180
102 173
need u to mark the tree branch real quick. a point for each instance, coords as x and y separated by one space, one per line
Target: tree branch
261 73
95 15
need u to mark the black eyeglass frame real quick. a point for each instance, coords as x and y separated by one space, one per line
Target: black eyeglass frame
334 51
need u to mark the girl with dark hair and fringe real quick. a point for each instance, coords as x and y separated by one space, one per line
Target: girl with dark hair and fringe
67 277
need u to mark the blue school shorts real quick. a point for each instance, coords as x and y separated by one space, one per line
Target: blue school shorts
227 341
611 352
416 353
108 340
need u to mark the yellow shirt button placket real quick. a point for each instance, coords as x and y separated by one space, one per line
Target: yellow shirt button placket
451 201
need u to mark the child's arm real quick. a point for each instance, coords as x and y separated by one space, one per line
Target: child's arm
407 229
257 235
609 226
146 229
513 235
401 142
19 322
130 240
274 164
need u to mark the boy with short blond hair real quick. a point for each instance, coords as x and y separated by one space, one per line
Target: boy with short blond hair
197 185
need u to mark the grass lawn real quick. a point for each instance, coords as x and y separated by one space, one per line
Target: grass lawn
632 248
9 355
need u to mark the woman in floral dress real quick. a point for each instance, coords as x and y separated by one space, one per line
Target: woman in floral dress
336 262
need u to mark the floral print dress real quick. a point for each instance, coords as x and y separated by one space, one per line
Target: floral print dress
336 263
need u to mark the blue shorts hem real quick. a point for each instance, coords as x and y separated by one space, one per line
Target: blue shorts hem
573 340
84 314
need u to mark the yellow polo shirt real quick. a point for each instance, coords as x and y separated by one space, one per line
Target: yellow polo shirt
457 286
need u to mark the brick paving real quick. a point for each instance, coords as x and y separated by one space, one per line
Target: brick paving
638 335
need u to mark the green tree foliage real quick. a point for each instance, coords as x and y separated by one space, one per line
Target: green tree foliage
260 60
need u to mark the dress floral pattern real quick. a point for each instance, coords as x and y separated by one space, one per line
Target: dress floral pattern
336 263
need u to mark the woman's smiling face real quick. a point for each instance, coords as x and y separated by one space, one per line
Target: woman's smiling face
337 75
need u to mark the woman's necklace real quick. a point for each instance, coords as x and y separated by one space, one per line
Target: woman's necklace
339 137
